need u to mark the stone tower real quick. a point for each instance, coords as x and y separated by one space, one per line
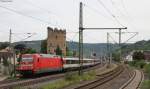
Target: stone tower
56 37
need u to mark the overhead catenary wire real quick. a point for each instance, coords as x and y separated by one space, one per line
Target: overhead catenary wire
131 37
37 6
127 13
118 10
113 39
123 14
73 38
27 37
21 38
58 19
110 13
29 16
97 11
125 10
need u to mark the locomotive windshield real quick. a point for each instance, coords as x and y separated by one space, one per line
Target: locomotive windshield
27 59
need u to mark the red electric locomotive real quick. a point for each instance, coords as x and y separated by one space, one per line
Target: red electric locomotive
39 63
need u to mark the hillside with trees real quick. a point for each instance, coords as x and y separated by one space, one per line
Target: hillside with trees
140 45
89 48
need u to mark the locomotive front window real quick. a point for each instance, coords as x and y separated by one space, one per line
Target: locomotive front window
27 59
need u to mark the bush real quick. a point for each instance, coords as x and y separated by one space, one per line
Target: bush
116 57
138 64
138 55
89 76
141 64
70 78
56 85
146 84
132 63
147 69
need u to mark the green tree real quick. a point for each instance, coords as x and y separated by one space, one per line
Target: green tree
30 51
138 55
116 57
5 61
20 48
4 45
69 52
44 46
74 53
58 51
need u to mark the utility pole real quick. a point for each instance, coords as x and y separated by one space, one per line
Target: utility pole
108 48
120 52
10 34
81 28
11 50
80 38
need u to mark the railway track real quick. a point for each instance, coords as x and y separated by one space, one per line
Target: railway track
102 79
19 83
135 81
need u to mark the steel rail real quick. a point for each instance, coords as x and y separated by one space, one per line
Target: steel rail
19 83
102 79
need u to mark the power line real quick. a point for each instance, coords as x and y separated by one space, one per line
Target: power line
48 11
117 8
135 33
34 5
71 39
21 38
28 37
125 10
98 12
110 12
113 39
17 12
75 35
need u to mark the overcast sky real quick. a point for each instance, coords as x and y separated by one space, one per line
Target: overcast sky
33 16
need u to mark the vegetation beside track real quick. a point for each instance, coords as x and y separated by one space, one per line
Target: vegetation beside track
74 78
146 69
71 78
137 64
146 82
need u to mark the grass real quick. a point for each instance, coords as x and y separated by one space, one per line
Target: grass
57 85
146 68
70 78
74 78
137 64
145 84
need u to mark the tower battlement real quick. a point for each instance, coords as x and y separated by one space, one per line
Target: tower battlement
56 37
56 30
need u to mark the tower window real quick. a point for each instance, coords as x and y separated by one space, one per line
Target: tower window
50 44
56 37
